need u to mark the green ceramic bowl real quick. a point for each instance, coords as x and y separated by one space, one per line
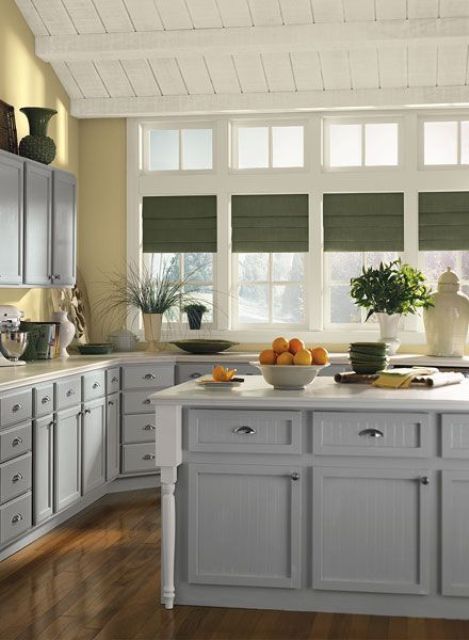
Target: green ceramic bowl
203 346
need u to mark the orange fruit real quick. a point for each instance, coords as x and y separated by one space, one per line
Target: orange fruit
320 355
303 357
295 345
268 356
285 358
280 345
220 374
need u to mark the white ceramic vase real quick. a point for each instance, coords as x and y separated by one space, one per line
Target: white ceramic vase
389 327
152 329
66 332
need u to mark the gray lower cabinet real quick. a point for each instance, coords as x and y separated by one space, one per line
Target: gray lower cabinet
112 436
11 219
244 525
67 458
94 445
455 528
37 224
43 468
370 530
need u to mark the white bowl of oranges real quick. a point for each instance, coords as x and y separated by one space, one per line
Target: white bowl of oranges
289 365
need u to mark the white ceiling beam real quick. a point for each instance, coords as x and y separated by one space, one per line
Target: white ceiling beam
269 39
270 102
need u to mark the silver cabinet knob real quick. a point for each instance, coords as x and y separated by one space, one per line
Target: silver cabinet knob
45 400
245 430
295 476
110 403
70 393
147 401
16 441
17 477
57 276
149 456
149 427
149 376
15 408
115 379
96 385
425 480
52 424
195 375
371 433
16 518
88 411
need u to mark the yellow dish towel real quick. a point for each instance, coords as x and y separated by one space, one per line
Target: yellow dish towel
402 378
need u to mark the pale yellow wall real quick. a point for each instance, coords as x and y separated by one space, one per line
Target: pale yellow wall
26 81
102 219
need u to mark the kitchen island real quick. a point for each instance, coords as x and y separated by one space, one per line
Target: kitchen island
342 498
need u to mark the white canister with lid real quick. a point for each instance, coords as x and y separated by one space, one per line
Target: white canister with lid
123 340
446 323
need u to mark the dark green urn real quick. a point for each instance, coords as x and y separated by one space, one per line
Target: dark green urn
38 146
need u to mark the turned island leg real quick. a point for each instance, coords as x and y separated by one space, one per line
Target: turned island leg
168 508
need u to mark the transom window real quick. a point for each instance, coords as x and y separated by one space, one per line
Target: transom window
445 142
349 144
267 146
188 149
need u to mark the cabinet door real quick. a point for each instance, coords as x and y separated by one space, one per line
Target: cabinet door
67 458
112 436
455 527
244 525
37 224
43 458
370 530
63 229
11 220
94 445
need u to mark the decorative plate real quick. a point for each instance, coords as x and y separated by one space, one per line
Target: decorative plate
203 345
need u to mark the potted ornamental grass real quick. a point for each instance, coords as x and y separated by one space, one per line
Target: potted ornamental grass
389 292
195 312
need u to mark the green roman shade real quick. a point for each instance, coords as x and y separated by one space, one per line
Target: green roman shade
444 221
269 223
179 224
363 221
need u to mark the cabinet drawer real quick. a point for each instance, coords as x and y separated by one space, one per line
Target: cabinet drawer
43 400
15 518
187 372
139 428
94 385
371 434
455 435
245 431
16 407
67 393
147 376
113 380
138 458
15 441
15 477
137 401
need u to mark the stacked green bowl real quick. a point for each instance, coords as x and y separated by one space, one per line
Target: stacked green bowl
368 357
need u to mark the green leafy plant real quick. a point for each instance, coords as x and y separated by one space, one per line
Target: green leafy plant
391 288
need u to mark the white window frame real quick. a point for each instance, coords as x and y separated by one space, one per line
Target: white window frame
255 122
457 166
147 127
362 121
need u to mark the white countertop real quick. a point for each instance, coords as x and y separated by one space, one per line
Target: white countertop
323 393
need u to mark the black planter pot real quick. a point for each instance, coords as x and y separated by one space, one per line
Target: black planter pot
195 318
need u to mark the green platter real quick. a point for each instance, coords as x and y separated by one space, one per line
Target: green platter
203 346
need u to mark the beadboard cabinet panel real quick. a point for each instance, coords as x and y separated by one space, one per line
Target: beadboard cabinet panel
43 469
455 528
11 220
67 458
112 436
37 225
94 445
64 229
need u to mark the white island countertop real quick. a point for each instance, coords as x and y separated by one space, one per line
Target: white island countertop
323 393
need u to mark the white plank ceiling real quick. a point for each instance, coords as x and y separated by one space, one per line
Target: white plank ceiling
160 57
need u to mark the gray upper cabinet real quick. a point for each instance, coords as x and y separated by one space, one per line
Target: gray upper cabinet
11 220
37 224
63 229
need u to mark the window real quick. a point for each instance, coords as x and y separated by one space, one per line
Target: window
270 288
268 146
350 144
434 263
179 149
196 269
445 142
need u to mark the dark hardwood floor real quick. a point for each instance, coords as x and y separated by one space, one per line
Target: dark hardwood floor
97 577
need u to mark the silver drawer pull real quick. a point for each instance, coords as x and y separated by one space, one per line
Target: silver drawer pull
15 408
195 375
248 431
149 456
372 433
149 376
70 393
16 518
147 401
295 476
425 480
16 441
115 379
96 385
45 400
17 477
149 427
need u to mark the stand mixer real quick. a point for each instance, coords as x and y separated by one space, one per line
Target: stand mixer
10 319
